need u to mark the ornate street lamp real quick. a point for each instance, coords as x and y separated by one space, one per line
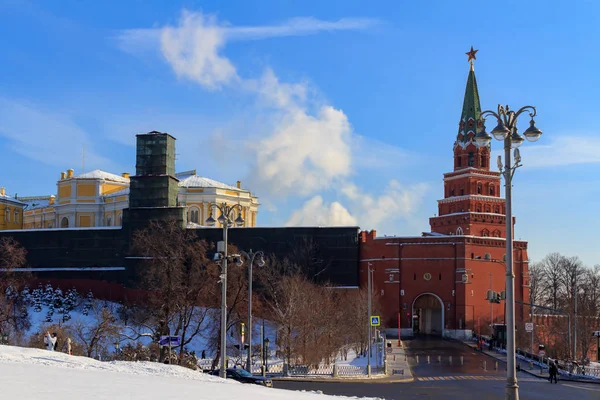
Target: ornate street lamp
226 219
506 131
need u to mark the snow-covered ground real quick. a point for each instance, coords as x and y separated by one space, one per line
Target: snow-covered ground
44 375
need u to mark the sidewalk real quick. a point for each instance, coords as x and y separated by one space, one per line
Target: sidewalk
525 366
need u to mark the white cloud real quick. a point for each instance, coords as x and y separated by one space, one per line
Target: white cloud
47 136
315 212
395 203
143 40
306 146
192 50
562 150
304 153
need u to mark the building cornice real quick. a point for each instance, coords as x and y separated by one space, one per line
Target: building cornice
477 197
471 172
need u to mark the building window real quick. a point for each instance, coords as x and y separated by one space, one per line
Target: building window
64 223
121 220
479 188
17 216
7 215
462 191
415 277
483 161
458 161
194 215
108 221
459 231
471 159
440 276
491 191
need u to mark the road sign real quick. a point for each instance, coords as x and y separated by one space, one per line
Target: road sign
529 326
375 320
173 341
542 353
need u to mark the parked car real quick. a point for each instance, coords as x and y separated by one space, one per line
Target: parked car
243 376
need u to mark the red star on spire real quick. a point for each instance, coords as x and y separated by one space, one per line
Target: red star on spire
471 54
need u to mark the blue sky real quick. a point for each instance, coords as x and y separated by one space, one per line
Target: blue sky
331 112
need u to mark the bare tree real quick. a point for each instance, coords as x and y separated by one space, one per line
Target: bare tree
13 313
177 272
96 336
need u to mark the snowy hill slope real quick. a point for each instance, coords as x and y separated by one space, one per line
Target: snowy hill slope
44 375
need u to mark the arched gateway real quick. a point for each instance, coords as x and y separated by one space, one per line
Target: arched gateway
428 314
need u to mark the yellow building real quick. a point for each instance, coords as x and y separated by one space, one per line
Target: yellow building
11 212
98 198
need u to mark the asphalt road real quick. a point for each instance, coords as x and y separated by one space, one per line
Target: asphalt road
451 380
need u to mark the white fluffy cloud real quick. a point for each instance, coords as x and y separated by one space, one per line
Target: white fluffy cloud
306 147
192 50
315 212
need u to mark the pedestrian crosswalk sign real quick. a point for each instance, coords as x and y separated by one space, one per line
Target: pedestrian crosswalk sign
375 320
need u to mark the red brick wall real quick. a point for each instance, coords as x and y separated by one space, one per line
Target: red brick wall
400 263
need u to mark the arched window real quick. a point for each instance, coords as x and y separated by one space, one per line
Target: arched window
488 208
491 191
194 215
497 209
120 219
478 187
478 208
108 221
64 223
483 161
459 231
485 233
471 159
17 216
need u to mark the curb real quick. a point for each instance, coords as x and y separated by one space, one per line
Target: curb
384 380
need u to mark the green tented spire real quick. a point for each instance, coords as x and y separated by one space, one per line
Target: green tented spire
471 111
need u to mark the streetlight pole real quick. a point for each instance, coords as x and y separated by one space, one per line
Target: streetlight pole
507 131
261 262
491 308
369 289
226 219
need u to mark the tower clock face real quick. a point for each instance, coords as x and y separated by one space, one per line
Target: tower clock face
427 276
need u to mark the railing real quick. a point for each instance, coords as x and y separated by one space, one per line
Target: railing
278 369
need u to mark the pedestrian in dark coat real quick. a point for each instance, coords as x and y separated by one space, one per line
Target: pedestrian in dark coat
553 372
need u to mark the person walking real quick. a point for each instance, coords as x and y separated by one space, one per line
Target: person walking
50 341
553 372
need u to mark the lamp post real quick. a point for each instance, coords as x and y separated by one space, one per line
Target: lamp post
261 262
369 285
225 219
507 132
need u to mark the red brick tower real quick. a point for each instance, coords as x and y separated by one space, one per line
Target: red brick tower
436 283
472 203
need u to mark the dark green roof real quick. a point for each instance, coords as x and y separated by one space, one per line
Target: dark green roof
471 106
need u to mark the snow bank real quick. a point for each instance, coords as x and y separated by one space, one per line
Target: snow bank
44 375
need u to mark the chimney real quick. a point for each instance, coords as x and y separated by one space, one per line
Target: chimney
125 175
239 184
70 173
2 192
62 175
51 199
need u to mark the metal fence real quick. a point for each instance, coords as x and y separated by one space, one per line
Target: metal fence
278 369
